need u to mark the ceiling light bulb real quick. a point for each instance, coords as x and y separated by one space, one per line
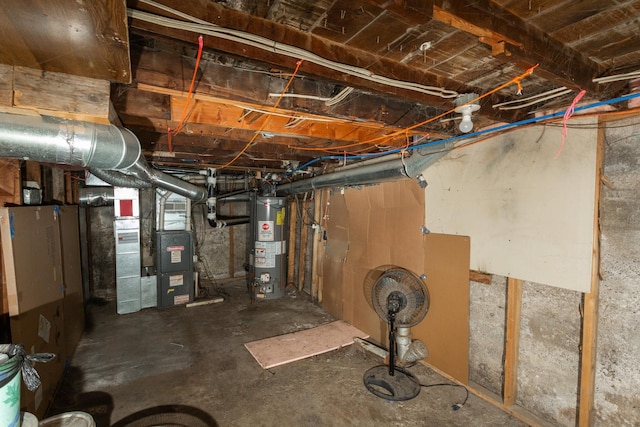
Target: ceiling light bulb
466 110
466 124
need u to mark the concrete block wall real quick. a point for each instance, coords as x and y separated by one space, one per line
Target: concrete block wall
214 243
548 373
617 401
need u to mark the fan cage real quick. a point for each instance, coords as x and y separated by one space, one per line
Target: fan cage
385 280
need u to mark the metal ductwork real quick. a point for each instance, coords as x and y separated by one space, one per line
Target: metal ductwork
95 196
114 151
367 172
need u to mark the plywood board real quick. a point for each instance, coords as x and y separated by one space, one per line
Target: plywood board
276 351
529 213
89 40
445 328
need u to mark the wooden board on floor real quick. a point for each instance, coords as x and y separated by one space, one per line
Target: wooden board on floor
282 349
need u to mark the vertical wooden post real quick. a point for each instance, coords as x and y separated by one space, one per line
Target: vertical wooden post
291 250
302 251
512 341
308 250
317 220
68 188
232 254
591 303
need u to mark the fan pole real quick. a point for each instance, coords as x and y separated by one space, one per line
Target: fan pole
391 316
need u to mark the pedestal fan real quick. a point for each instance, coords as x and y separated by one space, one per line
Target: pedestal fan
401 298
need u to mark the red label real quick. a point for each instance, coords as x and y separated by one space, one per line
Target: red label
175 248
265 226
126 207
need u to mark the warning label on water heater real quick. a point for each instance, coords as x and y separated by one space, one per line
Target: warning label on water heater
265 254
265 231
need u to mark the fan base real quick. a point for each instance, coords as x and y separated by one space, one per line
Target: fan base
403 385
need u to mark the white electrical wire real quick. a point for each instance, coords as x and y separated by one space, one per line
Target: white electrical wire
199 26
328 101
339 97
521 103
617 77
288 116
554 93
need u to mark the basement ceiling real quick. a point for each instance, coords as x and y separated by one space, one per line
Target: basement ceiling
283 83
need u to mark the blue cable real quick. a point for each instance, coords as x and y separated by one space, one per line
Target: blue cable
468 135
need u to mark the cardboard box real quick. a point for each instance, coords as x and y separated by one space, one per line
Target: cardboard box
41 330
42 272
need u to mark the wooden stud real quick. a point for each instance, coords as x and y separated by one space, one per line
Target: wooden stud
488 396
232 264
10 182
68 188
591 303
512 341
291 250
317 213
303 246
477 276
33 172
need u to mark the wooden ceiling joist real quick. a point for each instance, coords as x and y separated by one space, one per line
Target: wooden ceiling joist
558 63
376 65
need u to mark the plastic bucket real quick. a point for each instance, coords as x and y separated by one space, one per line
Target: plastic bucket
69 419
10 392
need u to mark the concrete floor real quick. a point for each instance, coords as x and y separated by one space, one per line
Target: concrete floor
189 367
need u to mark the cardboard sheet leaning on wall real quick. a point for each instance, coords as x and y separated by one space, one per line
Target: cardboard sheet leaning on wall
381 225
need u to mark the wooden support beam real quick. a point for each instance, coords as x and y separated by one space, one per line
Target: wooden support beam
512 341
158 68
10 182
317 236
297 276
91 40
225 113
232 264
338 52
527 45
590 304
61 95
477 276
291 244
68 188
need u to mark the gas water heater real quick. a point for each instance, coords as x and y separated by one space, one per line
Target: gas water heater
268 253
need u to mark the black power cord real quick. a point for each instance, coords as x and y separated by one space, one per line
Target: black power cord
457 406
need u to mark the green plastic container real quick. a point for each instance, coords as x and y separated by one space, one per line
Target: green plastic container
10 392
